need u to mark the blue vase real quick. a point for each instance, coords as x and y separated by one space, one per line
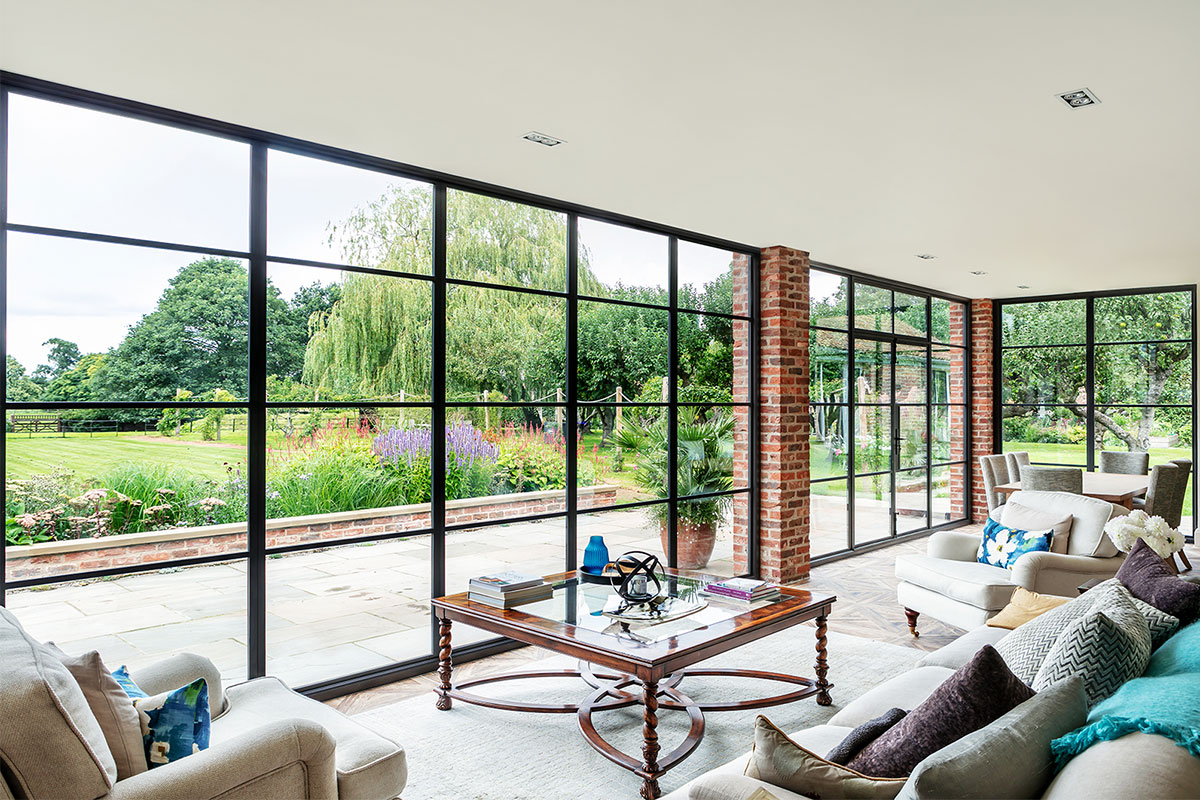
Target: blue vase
595 556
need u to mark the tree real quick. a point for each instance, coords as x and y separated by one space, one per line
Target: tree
20 387
63 356
309 304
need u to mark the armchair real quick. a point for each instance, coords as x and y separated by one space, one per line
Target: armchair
950 585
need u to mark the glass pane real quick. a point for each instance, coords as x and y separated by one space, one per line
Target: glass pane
622 263
827 299
949 489
347 609
948 365
710 278
1153 373
622 455
913 436
708 534
145 484
1051 435
497 241
909 314
505 345
324 211
827 366
1044 376
830 510
872 508
76 168
912 488
1144 317
949 321
1146 428
910 373
709 350
500 462
949 428
872 307
873 372
622 352
1044 322
872 439
710 439
105 322
333 473
141 618
828 448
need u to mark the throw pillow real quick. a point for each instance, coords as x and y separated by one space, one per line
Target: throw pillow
778 760
174 724
1016 515
1025 606
1010 758
1107 647
121 674
1002 546
979 693
863 735
1149 578
112 707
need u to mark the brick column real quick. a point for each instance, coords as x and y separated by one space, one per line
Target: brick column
784 420
741 378
983 387
959 485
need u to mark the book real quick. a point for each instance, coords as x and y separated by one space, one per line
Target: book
732 595
505 582
743 589
511 602
488 591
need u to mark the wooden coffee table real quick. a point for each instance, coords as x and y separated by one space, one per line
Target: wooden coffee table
632 664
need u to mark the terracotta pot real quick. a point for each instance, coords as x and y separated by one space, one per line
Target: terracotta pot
694 543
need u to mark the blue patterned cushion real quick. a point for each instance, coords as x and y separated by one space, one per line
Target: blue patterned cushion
1001 546
174 724
121 673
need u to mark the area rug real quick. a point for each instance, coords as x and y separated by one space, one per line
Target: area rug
476 753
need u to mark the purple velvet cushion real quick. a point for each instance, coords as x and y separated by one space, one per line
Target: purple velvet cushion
979 693
863 735
1149 579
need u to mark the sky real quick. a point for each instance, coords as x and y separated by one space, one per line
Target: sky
101 173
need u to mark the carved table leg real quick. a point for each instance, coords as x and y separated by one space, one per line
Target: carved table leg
912 621
823 698
445 665
650 790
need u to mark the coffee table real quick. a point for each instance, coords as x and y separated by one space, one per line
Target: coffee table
629 664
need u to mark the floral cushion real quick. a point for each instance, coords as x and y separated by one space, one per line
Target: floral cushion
175 724
1002 546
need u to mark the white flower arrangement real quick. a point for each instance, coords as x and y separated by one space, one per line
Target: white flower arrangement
1126 530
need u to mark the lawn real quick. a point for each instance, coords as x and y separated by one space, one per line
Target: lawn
95 455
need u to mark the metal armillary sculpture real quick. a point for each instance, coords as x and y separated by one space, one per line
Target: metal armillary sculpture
639 577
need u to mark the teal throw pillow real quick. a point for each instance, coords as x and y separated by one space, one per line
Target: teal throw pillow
174 724
121 673
1002 546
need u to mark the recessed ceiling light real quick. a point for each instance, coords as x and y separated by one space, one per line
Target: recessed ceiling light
978 272
1079 98
1022 286
541 138
926 256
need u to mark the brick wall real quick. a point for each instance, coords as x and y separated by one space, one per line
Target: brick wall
784 413
983 387
741 377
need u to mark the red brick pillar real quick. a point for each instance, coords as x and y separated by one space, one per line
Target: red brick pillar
983 387
784 420
741 453
959 481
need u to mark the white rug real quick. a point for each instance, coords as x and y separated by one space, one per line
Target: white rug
476 753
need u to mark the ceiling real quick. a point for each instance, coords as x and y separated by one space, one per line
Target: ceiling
862 132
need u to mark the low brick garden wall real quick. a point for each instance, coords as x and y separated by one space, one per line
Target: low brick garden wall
128 549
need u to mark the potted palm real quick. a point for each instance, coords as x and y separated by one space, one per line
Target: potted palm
704 463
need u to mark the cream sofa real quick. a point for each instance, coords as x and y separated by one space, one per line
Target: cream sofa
1137 765
948 584
267 741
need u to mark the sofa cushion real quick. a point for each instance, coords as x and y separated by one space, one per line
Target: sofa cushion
962 649
979 693
979 585
1139 765
735 787
1025 606
1089 514
1015 514
1009 758
907 690
369 766
1149 579
780 761
1002 545
112 707
50 742
863 735
175 724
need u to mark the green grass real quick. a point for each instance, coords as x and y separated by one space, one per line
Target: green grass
89 456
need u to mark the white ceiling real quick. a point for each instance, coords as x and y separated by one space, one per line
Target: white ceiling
864 132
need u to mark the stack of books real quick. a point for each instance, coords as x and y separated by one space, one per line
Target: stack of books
509 589
746 589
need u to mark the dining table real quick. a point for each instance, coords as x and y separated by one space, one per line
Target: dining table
1115 487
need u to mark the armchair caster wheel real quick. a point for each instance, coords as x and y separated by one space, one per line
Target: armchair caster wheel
912 622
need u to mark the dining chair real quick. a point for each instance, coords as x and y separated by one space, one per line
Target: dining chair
1016 462
1124 462
995 472
1052 479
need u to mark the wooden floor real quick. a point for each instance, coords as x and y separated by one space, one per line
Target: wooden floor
865 586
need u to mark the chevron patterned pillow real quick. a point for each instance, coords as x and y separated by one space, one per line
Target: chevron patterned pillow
1107 647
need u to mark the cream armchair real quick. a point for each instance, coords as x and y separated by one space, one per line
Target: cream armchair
948 584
